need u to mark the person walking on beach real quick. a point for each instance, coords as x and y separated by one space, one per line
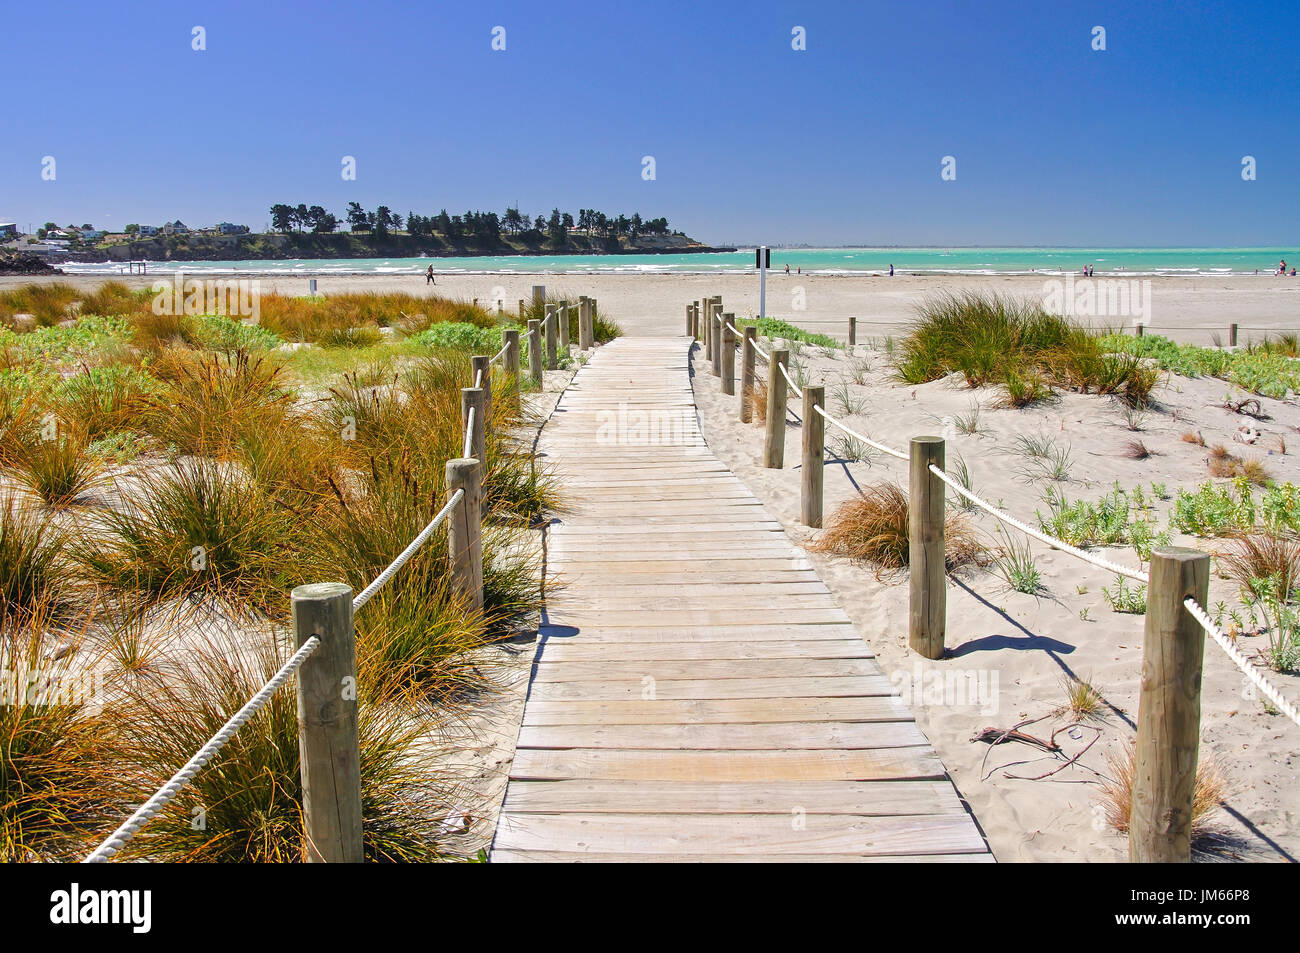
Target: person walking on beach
787 268
891 271
428 277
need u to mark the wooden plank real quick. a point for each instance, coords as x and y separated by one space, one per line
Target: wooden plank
784 736
813 687
557 651
867 798
721 633
742 833
635 711
612 618
663 669
532 764
591 857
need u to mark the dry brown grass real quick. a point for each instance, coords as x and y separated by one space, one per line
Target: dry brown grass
1137 450
1117 792
1225 464
758 402
1262 556
872 529
1194 436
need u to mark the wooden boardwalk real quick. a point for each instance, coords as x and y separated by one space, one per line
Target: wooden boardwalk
697 694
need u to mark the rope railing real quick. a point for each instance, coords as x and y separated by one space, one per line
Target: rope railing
1250 671
404 557
469 433
1176 581
853 433
165 794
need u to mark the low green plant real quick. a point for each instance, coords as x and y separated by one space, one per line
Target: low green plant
1104 522
1015 561
1125 598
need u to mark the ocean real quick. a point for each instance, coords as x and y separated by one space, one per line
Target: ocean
1190 262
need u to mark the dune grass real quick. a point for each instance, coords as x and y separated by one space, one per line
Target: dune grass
872 529
996 340
47 302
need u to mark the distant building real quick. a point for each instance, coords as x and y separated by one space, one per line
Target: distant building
92 234
9 230
175 228
228 229
148 230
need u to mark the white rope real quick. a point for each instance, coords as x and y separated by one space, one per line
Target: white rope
763 354
469 432
478 378
793 386
853 433
164 795
500 354
364 596
1043 537
1250 671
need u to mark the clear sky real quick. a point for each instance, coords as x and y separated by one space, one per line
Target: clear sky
1055 142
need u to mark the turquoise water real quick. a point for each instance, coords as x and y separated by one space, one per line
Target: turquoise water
826 261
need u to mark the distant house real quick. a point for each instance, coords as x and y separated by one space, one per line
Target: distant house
228 229
148 230
92 234
8 230
175 228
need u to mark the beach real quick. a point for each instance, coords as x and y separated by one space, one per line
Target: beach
1188 309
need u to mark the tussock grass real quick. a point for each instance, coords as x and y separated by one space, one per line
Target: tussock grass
55 786
995 340
248 801
1083 702
1117 793
1248 557
872 529
58 469
197 528
34 580
48 302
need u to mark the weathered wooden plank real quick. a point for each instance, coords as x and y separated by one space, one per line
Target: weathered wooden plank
591 857
665 711
786 736
721 633
533 764
556 651
743 833
662 669
867 798
812 687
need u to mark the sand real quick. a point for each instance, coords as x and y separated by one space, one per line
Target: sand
1023 647
1029 644
1194 308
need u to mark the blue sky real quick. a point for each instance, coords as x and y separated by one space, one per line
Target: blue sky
1055 143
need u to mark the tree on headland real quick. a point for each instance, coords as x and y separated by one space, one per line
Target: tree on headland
357 218
282 217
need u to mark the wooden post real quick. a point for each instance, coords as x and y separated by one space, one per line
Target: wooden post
552 355
585 336
688 320
1137 330
1169 709
473 397
715 330
853 331
465 530
535 351
521 307
747 356
774 440
539 296
814 455
1232 335
511 360
707 330
728 356
483 363
562 315
927 579
329 750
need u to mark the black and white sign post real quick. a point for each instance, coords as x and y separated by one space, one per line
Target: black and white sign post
762 261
